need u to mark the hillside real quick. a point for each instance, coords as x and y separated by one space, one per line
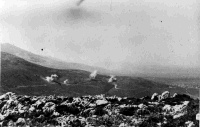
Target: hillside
23 77
48 61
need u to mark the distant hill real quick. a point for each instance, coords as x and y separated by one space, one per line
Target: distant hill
161 71
127 69
23 77
49 61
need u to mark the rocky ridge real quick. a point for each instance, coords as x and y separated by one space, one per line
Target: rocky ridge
99 110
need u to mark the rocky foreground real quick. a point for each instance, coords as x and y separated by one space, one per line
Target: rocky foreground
87 111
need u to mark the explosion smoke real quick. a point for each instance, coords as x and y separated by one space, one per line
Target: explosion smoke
93 74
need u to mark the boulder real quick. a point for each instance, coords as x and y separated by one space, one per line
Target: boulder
31 109
4 97
167 109
123 125
189 124
165 95
141 106
11 124
49 107
1 117
38 104
101 102
20 122
55 113
175 94
154 97
2 103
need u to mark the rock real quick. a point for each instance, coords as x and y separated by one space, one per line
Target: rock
178 115
159 98
83 120
190 124
101 102
141 106
165 95
179 108
119 98
1 117
102 126
4 97
49 107
20 108
198 116
154 96
186 103
55 113
20 122
10 94
159 124
136 121
122 106
175 94
92 105
96 110
2 104
31 109
11 124
167 109
86 112
76 123
154 103
123 125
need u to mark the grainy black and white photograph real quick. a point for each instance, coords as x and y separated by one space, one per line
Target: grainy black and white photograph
100 63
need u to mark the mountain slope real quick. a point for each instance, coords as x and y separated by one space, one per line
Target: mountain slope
48 61
23 77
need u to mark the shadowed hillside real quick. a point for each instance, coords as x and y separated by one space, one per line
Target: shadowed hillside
27 78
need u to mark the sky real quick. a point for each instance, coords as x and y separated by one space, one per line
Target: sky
106 33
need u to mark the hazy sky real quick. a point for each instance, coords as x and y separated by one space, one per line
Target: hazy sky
106 33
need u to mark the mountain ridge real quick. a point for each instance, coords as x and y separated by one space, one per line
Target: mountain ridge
49 61
127 69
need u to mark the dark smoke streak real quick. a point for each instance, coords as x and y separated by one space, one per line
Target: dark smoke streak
80 2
